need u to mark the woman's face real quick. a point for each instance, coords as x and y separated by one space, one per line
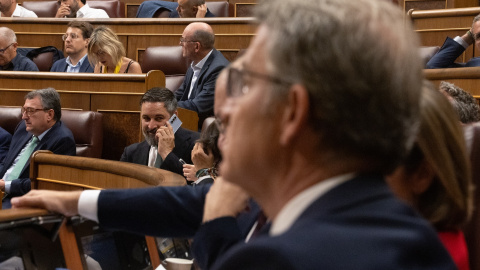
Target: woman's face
103 57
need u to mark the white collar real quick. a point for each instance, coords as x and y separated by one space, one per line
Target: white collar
200 64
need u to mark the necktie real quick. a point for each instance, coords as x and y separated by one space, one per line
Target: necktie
24 158
158 161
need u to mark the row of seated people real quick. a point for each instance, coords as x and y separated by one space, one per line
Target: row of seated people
115 9
100 51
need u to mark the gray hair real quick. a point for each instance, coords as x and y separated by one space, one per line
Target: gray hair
355 59
157 94
50 100
476 19
464 104
206 39
8 34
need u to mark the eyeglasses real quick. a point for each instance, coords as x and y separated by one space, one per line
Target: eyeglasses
72 36
183 40
3 50
238 80
29 111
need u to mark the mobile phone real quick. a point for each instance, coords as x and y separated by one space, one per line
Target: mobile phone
182 161
175 122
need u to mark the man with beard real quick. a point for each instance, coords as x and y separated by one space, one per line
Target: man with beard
162 148
78 9
76 42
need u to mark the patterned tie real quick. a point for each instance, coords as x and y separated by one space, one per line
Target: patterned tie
24 158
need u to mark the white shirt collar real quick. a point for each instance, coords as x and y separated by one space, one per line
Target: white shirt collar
200 64
298 204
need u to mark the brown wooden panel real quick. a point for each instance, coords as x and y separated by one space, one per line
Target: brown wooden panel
425 4
244 9
466 78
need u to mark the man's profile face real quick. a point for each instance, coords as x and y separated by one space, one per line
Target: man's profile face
37 121
185 9
153 115
9 53
75 42
476 34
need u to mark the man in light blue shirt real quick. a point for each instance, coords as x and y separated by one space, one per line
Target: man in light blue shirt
76 42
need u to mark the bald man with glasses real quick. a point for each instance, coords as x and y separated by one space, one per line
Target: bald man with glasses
9 58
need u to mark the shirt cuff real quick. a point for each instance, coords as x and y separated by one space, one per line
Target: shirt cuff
460 41
87 204
8 184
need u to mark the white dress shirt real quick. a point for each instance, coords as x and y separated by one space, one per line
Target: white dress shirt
87 12
75 68
196 70
22 12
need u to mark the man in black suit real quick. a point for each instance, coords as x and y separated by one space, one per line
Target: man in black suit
197 90
162 147
42 129
5 139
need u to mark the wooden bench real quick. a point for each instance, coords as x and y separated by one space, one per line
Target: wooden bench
466 78
115 96
231 34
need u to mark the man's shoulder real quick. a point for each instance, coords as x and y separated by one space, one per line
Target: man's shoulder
137 146
60 130
89 12
186 133
23 63
26 13
59 65
218 58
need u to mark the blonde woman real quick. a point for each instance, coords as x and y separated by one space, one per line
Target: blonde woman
435 177
107 54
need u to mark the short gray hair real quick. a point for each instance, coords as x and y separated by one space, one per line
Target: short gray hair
8 34
50 100
464 104
355 59
206 38
158 94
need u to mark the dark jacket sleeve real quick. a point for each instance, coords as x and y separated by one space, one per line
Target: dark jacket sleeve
445 57
158 211
5 139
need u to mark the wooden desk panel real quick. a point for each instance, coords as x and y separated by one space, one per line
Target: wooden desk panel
434 26
466 78
231 34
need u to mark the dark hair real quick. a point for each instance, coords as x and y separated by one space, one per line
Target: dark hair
158 94
50 100
206 39
209 140
85 27
84 1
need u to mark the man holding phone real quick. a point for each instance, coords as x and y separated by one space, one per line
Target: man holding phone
165 141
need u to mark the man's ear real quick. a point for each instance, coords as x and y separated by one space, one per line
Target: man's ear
295 113
50 115
422 179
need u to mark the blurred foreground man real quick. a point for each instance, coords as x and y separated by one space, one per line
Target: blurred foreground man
329 109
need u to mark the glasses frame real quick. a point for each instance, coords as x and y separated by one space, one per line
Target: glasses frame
31 111
240 73
65 36
2 51
183 41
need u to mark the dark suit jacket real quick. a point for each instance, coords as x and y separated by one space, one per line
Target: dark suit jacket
445 57
148 8
357 225
184 142
201 99
59 140
61 66
5 139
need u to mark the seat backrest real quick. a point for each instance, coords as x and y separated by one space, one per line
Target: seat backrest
87 130
207 122
427 52
219 9
44 61
168 59
114 8
86 127
173 82
9 118
46 9
472 229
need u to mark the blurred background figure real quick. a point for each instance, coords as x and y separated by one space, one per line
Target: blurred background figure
464 104
435 177
107 54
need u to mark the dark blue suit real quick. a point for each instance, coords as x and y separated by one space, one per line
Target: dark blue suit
58 139
201 99
357 225
184 142
61 66
148 9
445 57
5 139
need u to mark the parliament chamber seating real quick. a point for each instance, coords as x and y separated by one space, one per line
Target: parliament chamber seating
114 8
86 127
219 9
168 59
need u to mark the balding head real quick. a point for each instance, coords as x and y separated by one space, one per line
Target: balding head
202 33
8 43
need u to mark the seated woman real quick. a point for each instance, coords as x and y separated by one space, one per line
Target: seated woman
107 54
435 177
206 157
